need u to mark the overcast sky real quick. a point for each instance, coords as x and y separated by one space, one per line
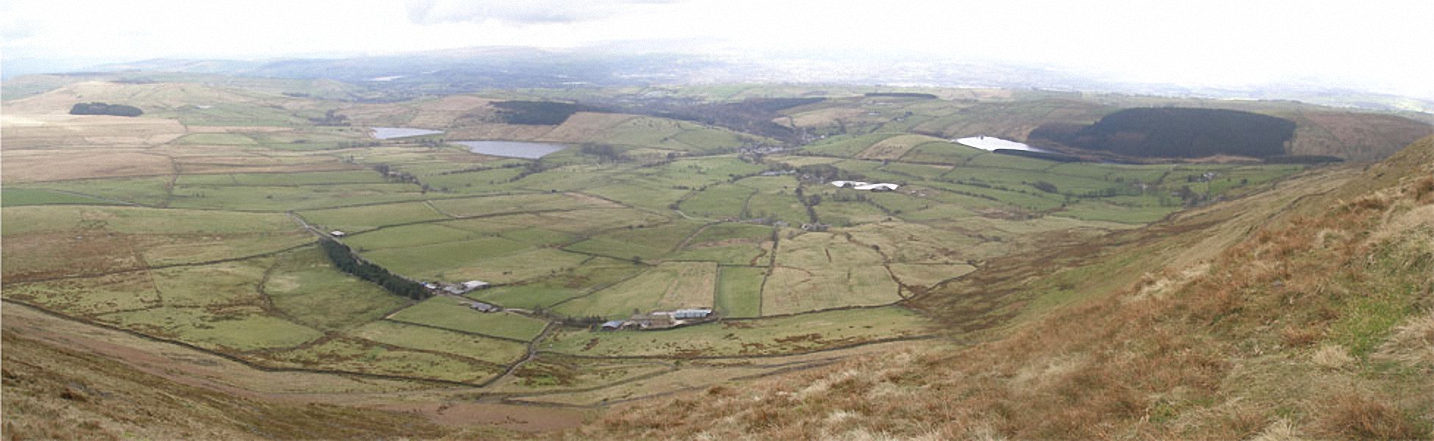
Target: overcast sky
1369 44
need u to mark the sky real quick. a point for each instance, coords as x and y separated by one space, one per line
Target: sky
1371 45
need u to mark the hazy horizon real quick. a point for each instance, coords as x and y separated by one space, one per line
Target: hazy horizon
1374 47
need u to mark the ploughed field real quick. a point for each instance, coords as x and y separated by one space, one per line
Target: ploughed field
199 223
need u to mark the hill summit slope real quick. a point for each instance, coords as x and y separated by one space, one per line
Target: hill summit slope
1316 320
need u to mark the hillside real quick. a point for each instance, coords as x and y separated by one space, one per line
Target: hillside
1178 133
54 392
1313 322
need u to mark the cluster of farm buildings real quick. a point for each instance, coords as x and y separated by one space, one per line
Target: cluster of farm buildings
661 319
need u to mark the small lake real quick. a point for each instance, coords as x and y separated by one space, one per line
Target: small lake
991 143
400 132
511 149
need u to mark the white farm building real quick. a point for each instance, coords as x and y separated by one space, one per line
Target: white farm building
858 185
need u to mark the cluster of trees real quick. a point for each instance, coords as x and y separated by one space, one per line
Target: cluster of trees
604 152
344 259
1174 132
827 173
902 95
331 118
98 108
539 113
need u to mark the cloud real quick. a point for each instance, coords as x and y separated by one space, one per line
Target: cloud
519 11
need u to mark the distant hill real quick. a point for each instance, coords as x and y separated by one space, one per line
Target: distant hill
1176 132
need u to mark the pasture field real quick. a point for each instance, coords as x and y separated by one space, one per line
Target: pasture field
549 373
288 198
234 328
894 147
845 146
816 271
593 274
646 243
305 286
739 291
718 201
779 335
431 262
284 179
350 354
454 313
368 217
17 197
668 286
438 340
148 191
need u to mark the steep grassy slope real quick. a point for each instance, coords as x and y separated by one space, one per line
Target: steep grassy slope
57 393
1316 322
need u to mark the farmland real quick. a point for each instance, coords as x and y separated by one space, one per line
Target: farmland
197 225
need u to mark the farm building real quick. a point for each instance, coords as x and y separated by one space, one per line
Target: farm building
858 185
336 233
484 307
465 287
695 313
612 325
656 320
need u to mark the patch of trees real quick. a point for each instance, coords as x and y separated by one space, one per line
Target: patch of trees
1057 157
331 118
902 95
604 152
98 108
827 173
1174 132
539 113
1046 187
1302 159
344 259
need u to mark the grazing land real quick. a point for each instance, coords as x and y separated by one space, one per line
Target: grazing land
195 227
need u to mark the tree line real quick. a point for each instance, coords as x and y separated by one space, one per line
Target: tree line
346 261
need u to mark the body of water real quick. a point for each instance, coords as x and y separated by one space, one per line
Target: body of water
511 149
400 132
991 143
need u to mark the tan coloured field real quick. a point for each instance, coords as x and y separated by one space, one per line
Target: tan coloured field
816 271
894 147
150 97
447 111
49 131
40 166
584 126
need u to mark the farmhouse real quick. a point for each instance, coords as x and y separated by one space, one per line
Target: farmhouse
484 307
336 233
612 325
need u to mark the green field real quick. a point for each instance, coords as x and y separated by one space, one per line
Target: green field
198 225
455 314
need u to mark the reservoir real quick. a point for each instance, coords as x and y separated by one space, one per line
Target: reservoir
400 132
991 143
511 149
